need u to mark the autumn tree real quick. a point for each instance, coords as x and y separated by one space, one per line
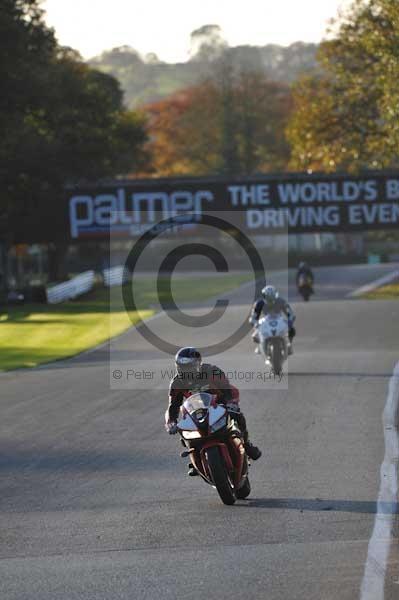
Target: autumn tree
232 123
347 117
177 146
263 109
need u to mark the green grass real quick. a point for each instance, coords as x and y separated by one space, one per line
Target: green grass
386 292
187 289
34 334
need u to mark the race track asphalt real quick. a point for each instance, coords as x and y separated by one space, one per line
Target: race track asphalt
94 499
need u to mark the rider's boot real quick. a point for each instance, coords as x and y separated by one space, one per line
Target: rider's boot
255 339
291 336
253 451
192 471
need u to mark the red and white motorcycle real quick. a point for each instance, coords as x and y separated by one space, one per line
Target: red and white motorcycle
215 446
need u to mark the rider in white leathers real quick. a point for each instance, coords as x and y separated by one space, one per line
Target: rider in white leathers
272 302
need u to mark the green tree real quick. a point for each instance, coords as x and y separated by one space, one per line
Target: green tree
27 49
88 133
348 116
81 133
27 46
62 122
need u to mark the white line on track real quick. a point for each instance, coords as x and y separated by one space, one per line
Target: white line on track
373 584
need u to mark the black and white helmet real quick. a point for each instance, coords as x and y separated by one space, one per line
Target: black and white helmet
270 294
188 361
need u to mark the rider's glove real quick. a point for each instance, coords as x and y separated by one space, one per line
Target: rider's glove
171 428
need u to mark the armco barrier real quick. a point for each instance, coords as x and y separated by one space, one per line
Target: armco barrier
81 284
115 276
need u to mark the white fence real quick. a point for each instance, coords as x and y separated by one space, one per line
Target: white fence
115 276
81 284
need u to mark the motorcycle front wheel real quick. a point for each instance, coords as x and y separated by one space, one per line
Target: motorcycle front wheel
277 357
220 476
305 293
244 490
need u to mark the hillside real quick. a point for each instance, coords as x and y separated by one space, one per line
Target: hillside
148 79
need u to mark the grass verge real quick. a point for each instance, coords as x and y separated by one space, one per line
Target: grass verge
35 334
386 292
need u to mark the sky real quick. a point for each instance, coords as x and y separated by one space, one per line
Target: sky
164 26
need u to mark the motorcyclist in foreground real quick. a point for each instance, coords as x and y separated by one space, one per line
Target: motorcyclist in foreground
272 302
192 376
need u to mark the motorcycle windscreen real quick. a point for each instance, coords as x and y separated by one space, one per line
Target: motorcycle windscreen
196 402
187 424
199 401
216 414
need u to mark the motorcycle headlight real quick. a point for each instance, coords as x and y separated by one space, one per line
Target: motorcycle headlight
200 415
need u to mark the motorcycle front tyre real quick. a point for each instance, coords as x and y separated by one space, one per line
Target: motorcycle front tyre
220 476
244 490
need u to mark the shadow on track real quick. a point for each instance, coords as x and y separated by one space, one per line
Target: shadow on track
318 505
54 461
102 356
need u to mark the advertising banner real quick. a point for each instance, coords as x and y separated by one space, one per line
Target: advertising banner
271 205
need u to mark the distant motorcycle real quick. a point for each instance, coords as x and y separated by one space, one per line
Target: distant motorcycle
215 446
274 340
305 286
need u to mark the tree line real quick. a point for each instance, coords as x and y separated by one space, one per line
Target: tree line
63 121
233 124
347 116
146 79
343 115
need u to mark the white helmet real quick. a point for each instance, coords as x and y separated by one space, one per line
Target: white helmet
270 294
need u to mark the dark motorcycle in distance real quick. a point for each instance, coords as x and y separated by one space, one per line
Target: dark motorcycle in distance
215 446
305 286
